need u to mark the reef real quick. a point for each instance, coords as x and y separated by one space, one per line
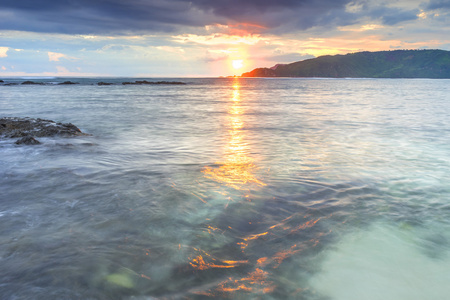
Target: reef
27 129
154 82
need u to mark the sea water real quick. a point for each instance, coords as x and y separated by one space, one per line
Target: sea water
229 188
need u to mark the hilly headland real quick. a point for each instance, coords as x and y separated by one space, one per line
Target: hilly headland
381 64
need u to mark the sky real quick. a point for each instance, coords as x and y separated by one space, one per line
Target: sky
205 38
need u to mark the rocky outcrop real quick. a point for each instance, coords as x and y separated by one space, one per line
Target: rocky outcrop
67 83
32 83
28 140
154 82
26 129
137 82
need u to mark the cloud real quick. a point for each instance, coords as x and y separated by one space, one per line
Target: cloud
393 16
118 17
97 16
289 57
438 4
217 39
3 51
62 70
53 56
269 13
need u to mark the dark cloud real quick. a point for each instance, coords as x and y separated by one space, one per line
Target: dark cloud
134 16
392 16
438 4
96 16
296 14
238 9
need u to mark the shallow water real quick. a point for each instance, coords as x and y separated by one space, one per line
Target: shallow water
229 188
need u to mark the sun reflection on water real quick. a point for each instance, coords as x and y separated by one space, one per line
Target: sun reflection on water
237 169
253 270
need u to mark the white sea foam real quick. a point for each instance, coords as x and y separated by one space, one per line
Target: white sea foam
383 263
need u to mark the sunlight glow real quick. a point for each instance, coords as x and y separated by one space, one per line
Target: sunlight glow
237 64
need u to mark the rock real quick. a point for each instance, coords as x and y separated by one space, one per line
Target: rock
32 82
27 140
170 82
104 83
154 82
68 82
29 128
1 81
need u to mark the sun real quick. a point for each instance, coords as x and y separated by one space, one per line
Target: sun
237 63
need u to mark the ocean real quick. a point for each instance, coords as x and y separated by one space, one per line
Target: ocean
228 188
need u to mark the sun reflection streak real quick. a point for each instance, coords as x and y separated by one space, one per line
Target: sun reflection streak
237 169
283 240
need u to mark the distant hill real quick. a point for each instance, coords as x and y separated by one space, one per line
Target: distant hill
382 64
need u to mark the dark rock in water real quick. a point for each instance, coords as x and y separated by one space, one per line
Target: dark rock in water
154 82
32 82
1 81
104 83
27 140
11 83
170 82
28 127
67 82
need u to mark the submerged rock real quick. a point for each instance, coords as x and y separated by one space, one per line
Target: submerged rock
120 279
104 83
27 129
27 140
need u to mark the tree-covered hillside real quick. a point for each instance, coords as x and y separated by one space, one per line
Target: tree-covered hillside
383 64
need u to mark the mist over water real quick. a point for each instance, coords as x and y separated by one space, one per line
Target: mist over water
229 188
